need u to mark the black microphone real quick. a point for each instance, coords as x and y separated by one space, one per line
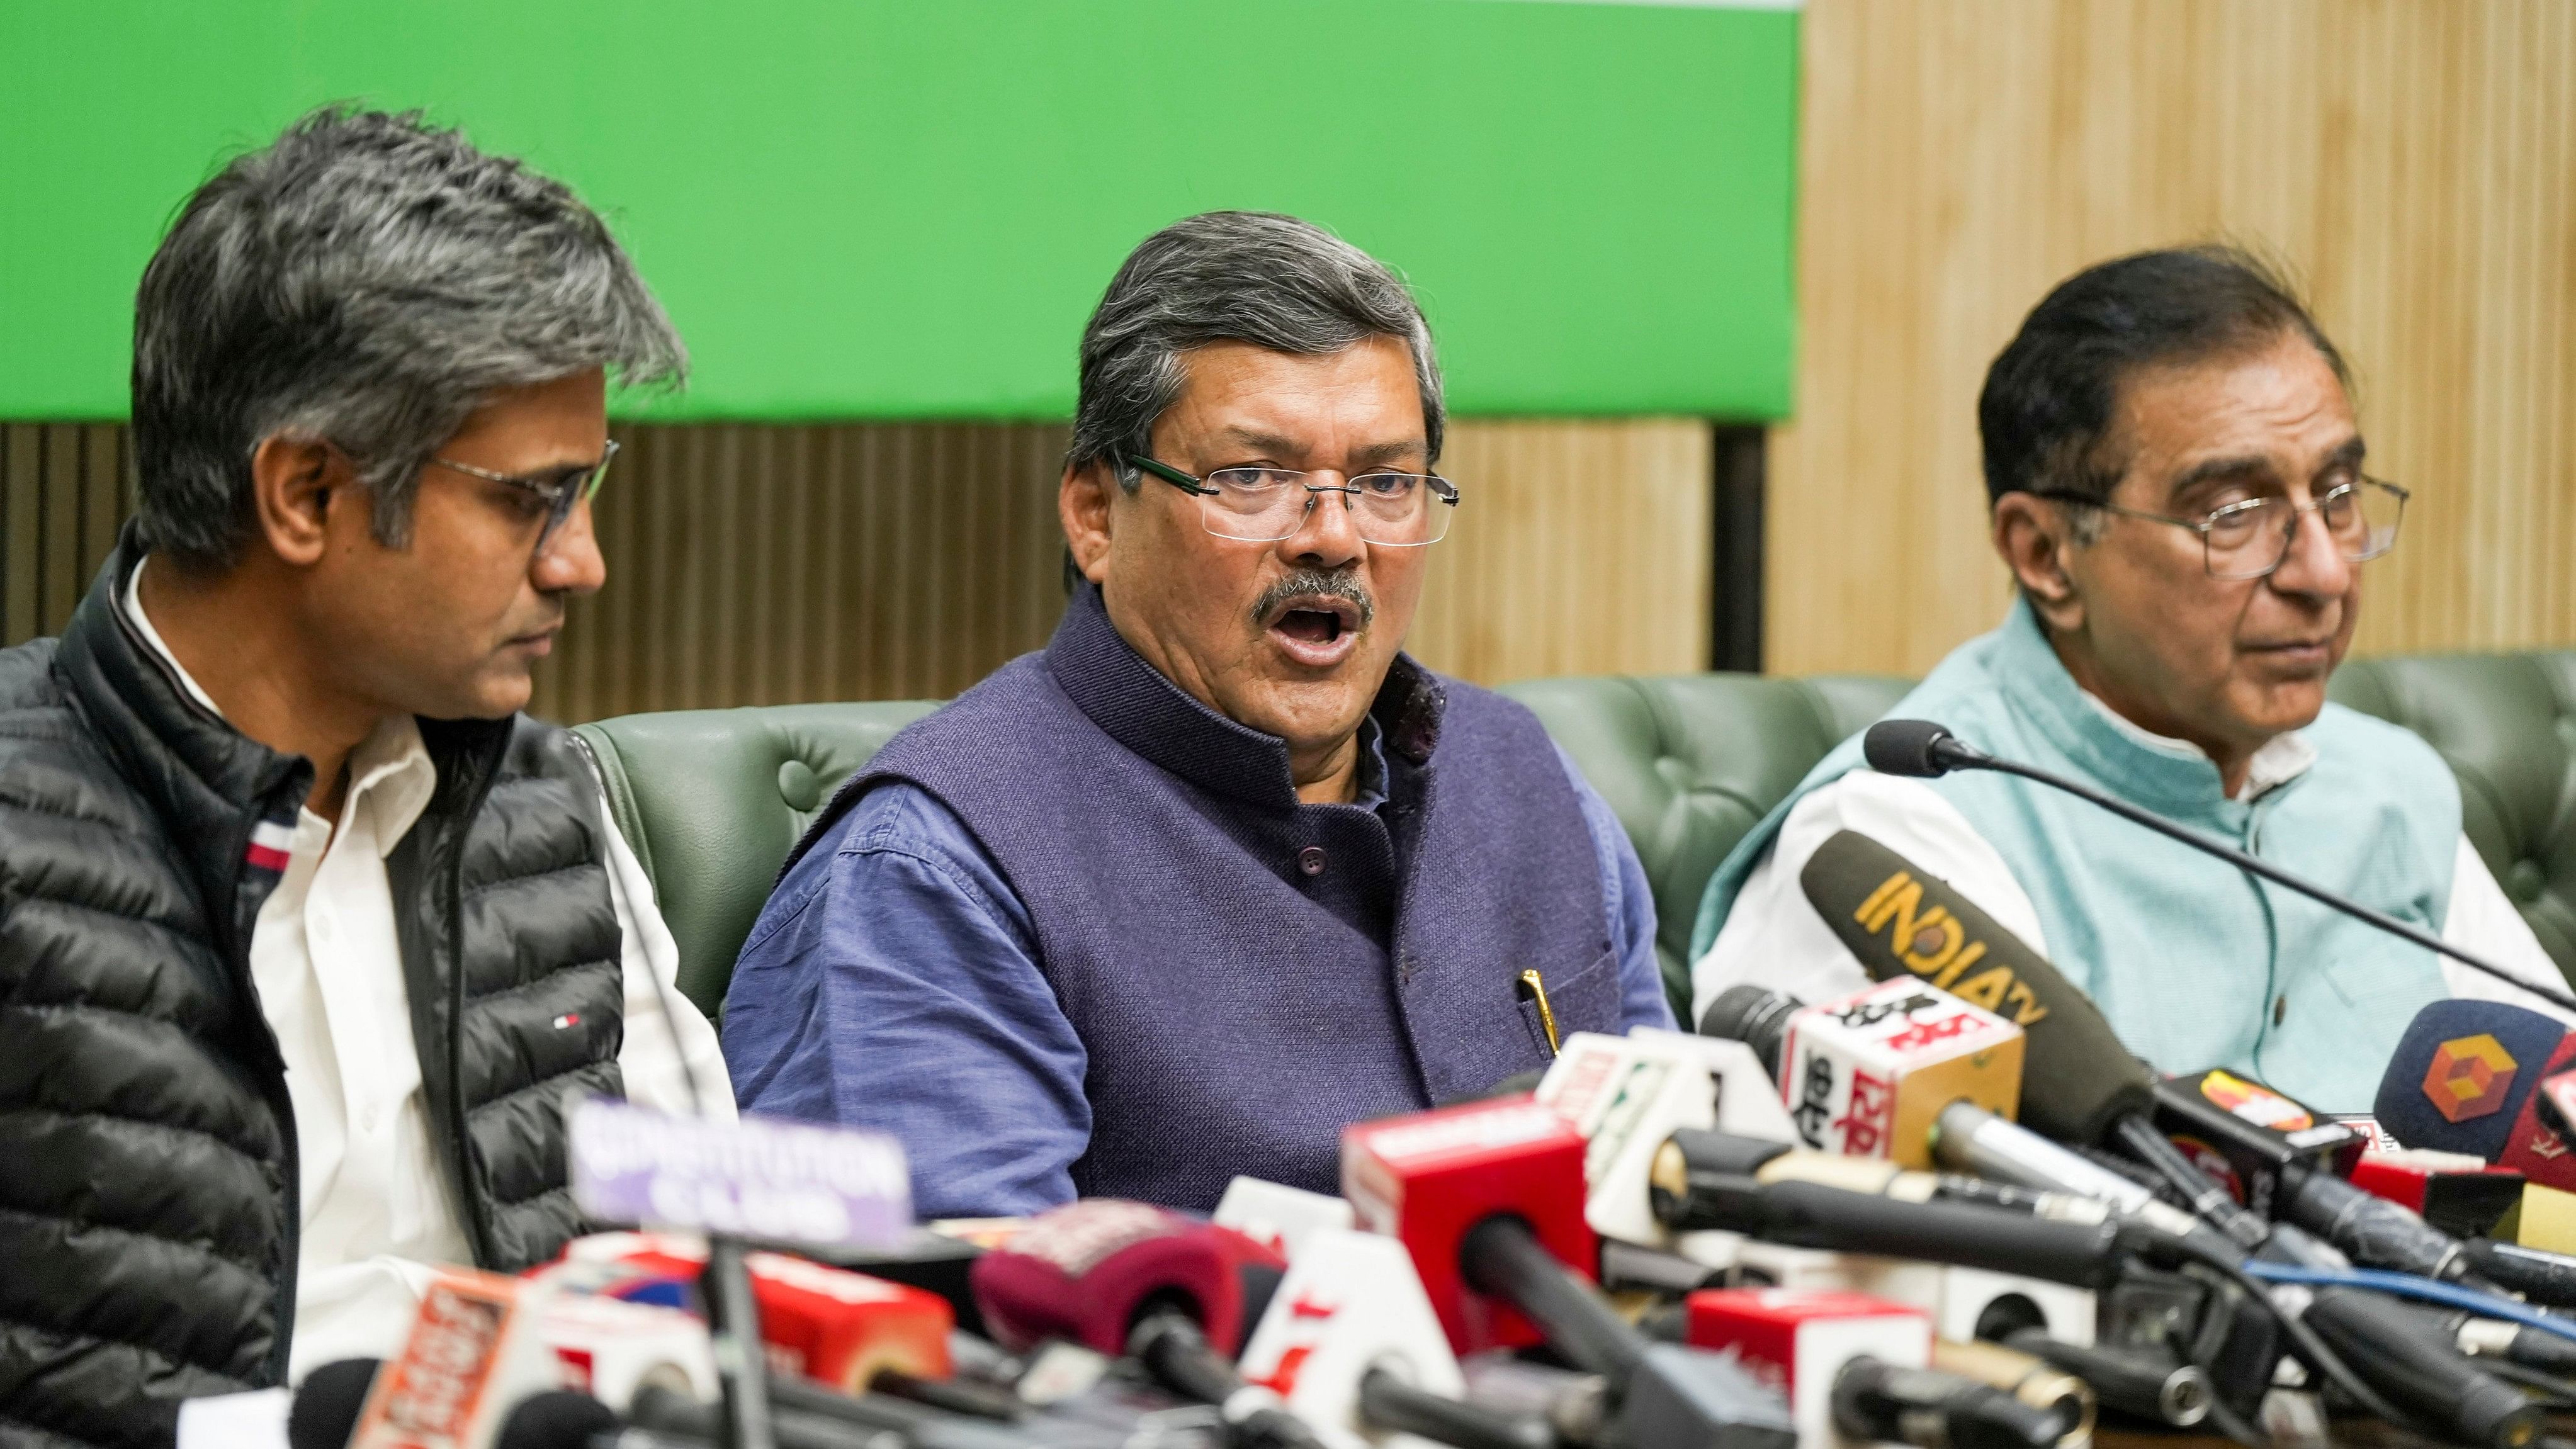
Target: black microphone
1900 920
1875 1401
2148 1381
563 1419
2421 1368
1966 1234
1924 750
328 1402
1755 1016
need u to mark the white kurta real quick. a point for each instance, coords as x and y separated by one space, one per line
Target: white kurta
1775 938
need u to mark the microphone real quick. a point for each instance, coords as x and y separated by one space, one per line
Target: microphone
1903 923
2466 1078
1488 1200
558 1419
473 1351
2032 1381
1277 1216
1133 1278
829 1324
2461 1195
1865 1076
2420 1367
2149 1382
327 1403
1794 1341
1754 1015
1088 1270
1626 1095
1810 1215
1351 1344
1923 750
1878 1401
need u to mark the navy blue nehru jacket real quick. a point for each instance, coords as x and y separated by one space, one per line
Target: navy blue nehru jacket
1075 934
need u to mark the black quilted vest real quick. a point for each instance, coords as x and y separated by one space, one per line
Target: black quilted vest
148 1194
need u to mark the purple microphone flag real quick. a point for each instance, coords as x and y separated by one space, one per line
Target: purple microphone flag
763 1177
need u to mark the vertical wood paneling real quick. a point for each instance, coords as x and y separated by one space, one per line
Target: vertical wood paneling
753 564
759 564
2412 162
62 498
1579 548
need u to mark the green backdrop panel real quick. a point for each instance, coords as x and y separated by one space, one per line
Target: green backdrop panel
880 208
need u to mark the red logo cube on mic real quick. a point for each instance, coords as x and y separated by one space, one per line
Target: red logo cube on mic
1426 1179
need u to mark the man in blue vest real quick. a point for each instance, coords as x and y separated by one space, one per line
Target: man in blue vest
1219 870
2177 484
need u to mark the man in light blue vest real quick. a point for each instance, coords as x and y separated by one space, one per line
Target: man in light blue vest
2176 480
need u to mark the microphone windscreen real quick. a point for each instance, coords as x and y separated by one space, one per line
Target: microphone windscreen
1900 920
1754 1015
2462 1074
1085 1271
327 1403
1905 747
556 1419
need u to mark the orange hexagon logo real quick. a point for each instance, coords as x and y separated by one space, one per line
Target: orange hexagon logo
2469 1077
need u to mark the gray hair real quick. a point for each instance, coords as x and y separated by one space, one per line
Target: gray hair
1231 276
369 281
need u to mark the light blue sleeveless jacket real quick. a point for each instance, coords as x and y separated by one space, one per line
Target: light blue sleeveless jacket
2195 963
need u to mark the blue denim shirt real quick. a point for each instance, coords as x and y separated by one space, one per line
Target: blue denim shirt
892 982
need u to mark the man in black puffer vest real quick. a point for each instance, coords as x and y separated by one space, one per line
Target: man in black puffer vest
307 936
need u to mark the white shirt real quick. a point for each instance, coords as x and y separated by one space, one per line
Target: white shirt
324 958
1774 938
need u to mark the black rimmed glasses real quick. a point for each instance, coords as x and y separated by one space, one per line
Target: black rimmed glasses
2250 539
558 490
1265 505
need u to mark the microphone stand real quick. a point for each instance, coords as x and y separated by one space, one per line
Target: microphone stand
741 1353
1944 752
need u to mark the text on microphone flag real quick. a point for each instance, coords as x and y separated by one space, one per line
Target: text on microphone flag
765 1178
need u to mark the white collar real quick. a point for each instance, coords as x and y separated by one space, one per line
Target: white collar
390 768
2282 758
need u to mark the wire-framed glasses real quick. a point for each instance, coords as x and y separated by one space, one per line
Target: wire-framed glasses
1265 505
558 490
2251 538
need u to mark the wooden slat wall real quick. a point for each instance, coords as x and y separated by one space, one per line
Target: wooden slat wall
62 496
754 564
2413 160
1579 548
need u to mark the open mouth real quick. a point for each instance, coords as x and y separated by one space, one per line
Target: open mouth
1315 629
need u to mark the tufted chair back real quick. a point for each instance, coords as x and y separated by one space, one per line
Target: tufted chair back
2506 725
1691 761
713 799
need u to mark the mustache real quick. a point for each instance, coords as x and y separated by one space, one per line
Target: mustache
1307 583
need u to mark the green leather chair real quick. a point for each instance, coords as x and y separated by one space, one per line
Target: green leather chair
1689 763
713 799
2506 724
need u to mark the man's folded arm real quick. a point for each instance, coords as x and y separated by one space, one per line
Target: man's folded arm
892 982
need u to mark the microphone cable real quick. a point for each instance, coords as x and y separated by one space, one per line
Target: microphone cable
2304 1340
1924 750
2408 1285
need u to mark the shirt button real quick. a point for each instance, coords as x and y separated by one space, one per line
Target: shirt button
2280 1008
1311 860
